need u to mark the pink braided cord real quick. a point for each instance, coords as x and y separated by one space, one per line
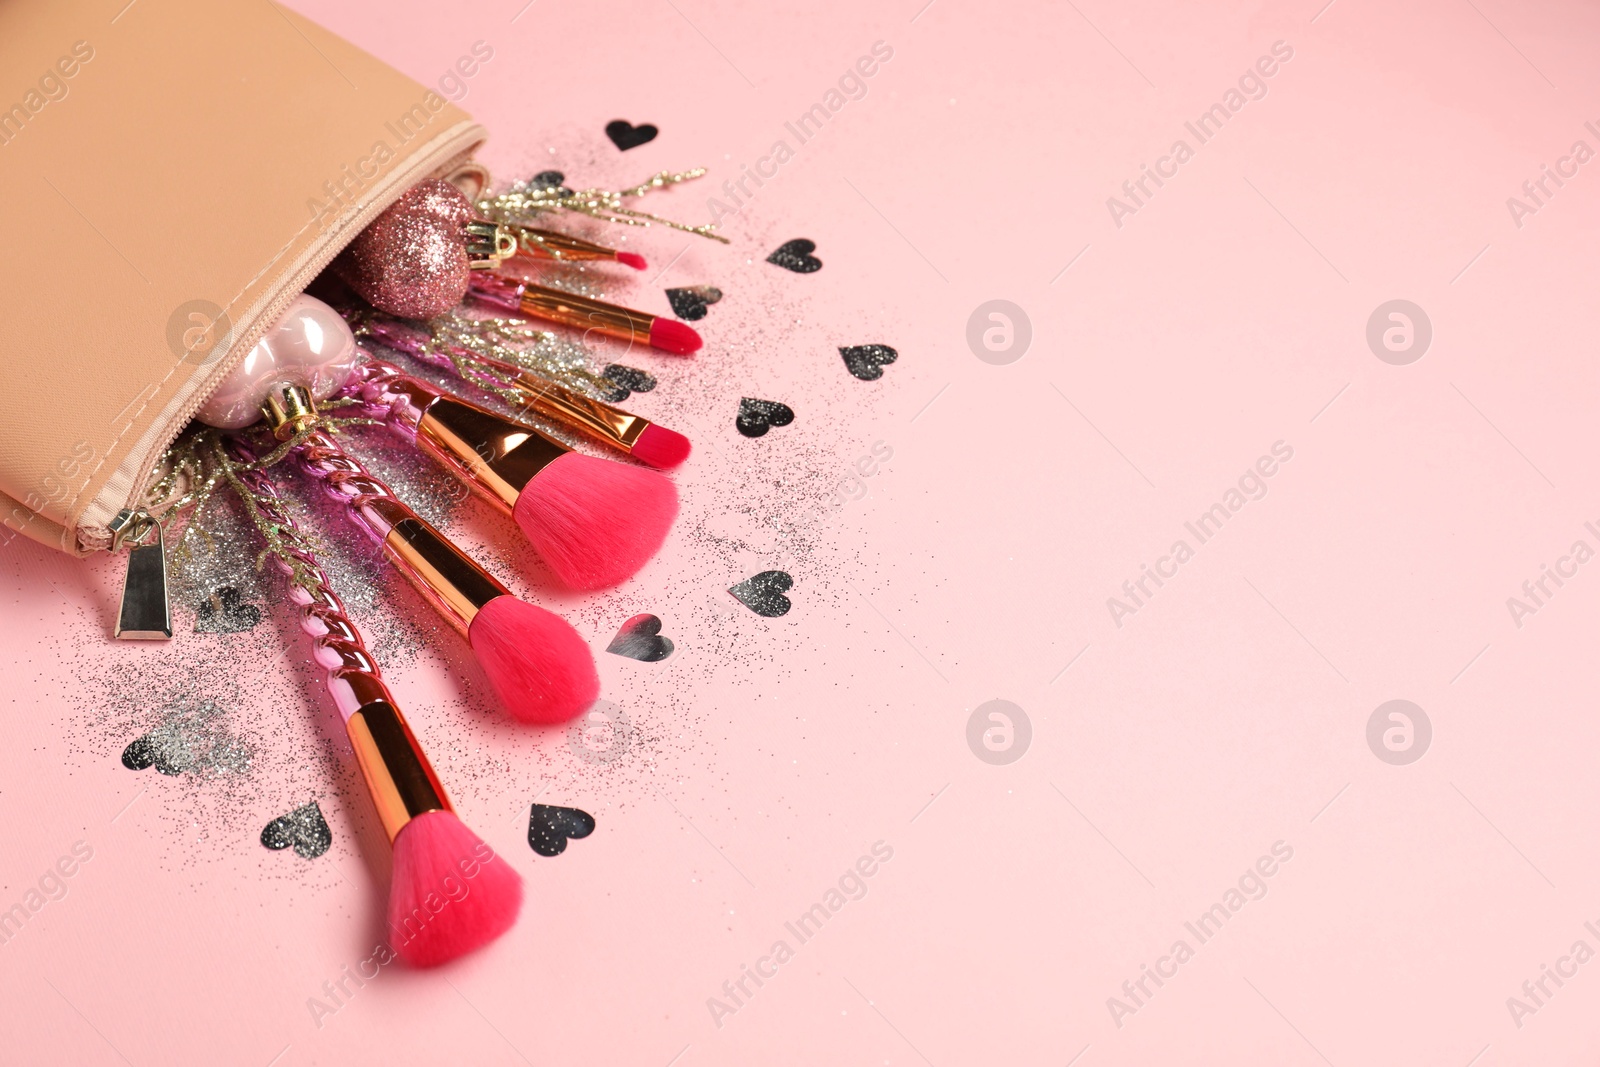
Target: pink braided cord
353 675
343 478
376 387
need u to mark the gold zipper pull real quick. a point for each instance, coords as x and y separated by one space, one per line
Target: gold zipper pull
145 614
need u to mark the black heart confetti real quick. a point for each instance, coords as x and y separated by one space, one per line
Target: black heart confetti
690 303
141 753
867 361
640 638
549 827
303 829
629 379
626 135
796 255
763 593
610 391
225 613
756 417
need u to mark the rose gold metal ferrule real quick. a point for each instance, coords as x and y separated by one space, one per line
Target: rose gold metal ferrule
547 244
599 420
496 457
446 577
402 782
582 313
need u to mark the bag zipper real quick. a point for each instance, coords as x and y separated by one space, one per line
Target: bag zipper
451 149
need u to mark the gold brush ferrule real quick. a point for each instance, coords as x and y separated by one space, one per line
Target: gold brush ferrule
447 577
488 244
288 407
495 456
599 420
582 313
547 244
398 775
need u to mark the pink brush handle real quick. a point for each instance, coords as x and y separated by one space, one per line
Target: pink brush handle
353 676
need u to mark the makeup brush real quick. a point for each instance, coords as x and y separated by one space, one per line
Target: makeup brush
537 664
580 312
646 441
548 244
539 667
594 521
449 893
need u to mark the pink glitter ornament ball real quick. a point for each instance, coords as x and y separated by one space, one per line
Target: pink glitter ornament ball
412 260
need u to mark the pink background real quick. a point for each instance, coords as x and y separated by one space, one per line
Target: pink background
1228 714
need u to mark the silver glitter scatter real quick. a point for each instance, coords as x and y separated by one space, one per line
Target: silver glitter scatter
469 346
221 554
190 740
580 277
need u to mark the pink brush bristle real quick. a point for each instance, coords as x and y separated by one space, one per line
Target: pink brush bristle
671 336
596 522
660 447
632 259
450 893
539 666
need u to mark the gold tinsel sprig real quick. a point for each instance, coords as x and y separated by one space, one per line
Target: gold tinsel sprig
524 202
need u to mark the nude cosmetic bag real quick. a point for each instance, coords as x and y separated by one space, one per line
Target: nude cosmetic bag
172 173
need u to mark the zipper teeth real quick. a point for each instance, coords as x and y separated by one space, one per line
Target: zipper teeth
399 181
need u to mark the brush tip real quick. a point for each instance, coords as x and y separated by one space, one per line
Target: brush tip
596 521
632 259
674 337
541 670
660 447
450 894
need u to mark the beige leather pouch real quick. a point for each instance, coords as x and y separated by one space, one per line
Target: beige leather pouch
171 175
